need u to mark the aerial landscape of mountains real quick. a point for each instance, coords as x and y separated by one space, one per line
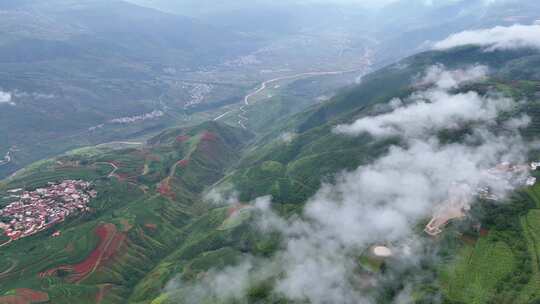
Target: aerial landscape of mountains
260 152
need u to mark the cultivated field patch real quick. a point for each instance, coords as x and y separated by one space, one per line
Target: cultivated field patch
110 241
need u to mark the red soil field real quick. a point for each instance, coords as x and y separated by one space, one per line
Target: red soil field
153 157
102 292
233 209
484 232
209 136
25 296
164 188
182 138
110 241
183 163
150 226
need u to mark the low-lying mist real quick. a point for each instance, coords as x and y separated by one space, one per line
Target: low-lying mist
382 202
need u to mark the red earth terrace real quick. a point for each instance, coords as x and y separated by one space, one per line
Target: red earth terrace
37 210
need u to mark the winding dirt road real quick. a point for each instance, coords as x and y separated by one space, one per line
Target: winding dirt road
264 85
223 115
114 167
6 243
127 143
6 272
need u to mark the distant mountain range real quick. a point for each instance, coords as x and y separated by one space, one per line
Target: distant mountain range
116 30
72 65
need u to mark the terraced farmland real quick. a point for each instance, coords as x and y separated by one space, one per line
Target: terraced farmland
133 223
477 269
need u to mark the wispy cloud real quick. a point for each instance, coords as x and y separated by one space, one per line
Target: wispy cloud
229 283
497 38
381 202
444 79
434 109
6 98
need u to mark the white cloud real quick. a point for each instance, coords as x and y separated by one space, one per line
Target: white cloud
381 202
431 112
518 122
434 109
5 97
445 79
497 38
229 283
381 3
223 195
287 137
33 95
370 3
378 203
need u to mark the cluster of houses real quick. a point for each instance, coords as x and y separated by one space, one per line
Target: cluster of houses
126 120
460 196
37 210
198 93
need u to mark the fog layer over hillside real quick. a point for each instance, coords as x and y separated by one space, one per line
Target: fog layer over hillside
382 202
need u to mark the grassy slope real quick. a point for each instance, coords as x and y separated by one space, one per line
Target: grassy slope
292 171
465 279
503 266
476 271
315 153
153 222
190 239
531 227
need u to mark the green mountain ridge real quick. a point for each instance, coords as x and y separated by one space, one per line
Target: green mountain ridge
151 201
156 202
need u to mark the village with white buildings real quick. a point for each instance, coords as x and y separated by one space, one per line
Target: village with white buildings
35 211
131 119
